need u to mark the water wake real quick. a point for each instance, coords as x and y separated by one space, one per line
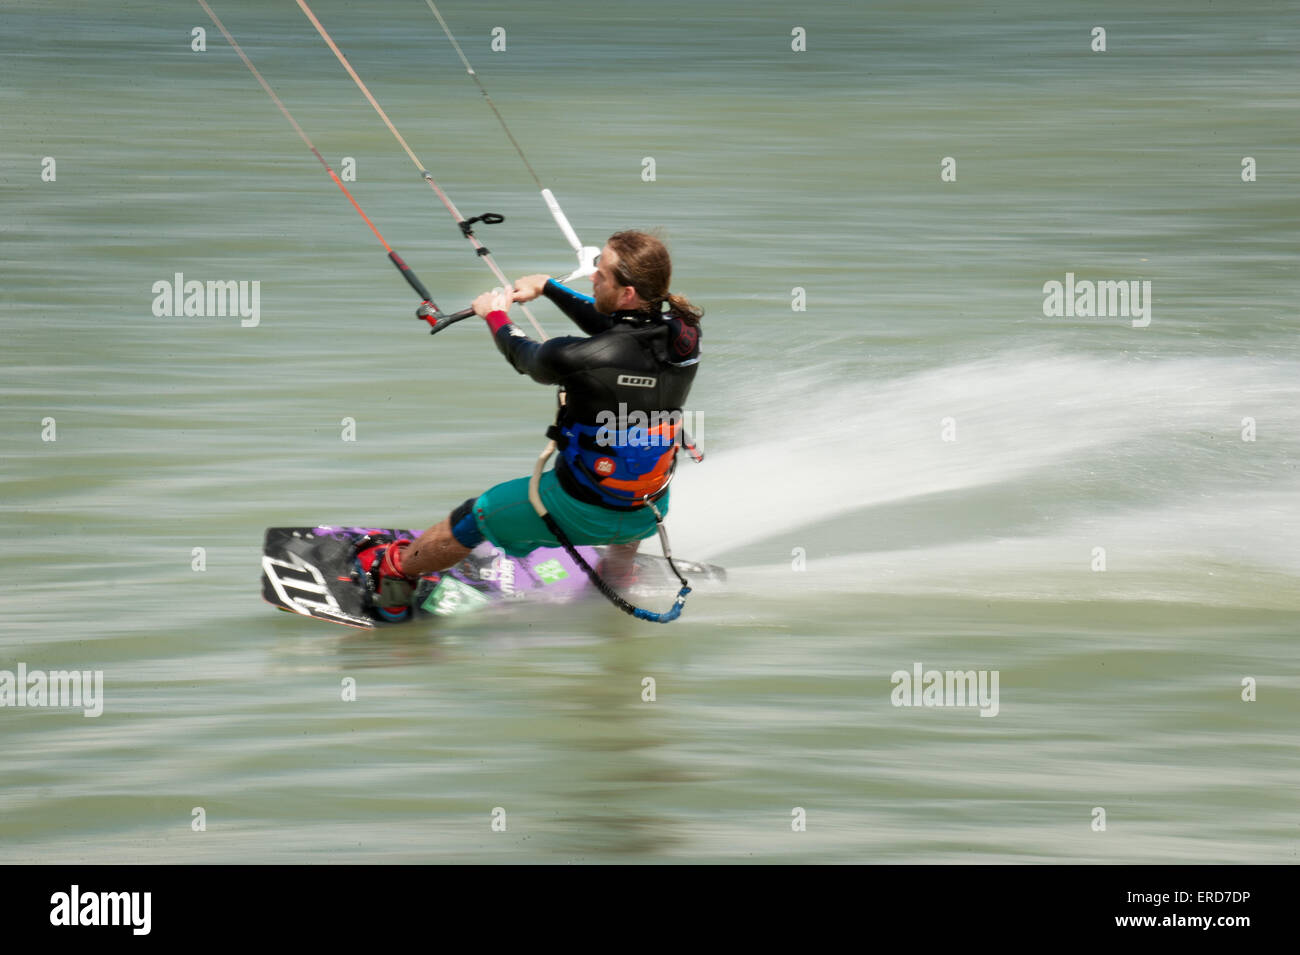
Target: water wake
1047 456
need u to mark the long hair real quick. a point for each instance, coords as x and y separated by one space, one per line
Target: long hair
643 264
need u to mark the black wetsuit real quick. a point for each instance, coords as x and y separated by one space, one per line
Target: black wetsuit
633 362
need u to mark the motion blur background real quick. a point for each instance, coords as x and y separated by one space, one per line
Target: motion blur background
775 170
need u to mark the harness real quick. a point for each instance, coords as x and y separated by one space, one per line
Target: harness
626 462
535 498
626 467
623 469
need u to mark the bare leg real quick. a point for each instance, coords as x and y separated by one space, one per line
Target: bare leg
617 564
435 550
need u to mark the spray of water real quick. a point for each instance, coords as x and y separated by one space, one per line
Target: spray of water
1109 449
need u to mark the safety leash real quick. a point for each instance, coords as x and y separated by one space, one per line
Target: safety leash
535 498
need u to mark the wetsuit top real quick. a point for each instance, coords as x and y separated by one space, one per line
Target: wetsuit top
625 386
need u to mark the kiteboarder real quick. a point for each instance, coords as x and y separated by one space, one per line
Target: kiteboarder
617 429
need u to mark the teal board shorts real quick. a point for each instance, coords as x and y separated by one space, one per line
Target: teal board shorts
505 516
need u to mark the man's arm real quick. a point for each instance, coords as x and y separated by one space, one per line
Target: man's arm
580 308
545 362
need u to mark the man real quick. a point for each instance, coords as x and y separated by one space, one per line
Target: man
636 367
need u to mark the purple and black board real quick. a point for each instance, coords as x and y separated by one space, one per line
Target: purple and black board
308 570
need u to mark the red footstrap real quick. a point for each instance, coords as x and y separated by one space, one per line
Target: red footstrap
391 566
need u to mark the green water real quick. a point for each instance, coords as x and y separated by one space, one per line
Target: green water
859 541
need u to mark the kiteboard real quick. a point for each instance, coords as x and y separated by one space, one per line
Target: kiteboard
311 571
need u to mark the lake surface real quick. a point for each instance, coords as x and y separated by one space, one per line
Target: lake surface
909 462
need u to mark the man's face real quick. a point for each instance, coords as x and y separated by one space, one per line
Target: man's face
607 292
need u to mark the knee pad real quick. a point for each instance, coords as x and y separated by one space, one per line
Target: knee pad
463 526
